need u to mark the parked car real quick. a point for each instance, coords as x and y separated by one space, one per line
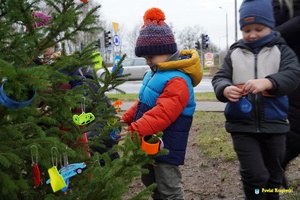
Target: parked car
136 67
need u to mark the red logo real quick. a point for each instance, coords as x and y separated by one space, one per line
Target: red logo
249 19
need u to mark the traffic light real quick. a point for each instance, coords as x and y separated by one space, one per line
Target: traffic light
197 45
205 41
98 43
107 38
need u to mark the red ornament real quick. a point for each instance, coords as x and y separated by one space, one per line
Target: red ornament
84 1
36 175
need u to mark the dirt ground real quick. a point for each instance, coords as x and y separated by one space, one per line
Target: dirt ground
213 179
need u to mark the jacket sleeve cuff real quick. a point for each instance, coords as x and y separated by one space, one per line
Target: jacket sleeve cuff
275 86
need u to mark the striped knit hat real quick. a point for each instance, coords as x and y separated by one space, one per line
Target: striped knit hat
156 37
43 19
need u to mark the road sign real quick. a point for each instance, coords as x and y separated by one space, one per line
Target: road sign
117 59
116 26
209 59
116 40
209 56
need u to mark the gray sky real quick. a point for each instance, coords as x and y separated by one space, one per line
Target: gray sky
205 13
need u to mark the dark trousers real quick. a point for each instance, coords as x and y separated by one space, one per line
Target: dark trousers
168 179
260 156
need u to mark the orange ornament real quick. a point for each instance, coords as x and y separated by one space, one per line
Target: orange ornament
118 104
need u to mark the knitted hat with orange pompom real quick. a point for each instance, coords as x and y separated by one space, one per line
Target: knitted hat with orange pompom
156 37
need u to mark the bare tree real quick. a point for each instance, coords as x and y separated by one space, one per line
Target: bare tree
129 42
85 38
82 38
188 36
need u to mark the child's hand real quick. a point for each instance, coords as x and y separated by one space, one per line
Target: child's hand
119 118
233 93
257 85
123 133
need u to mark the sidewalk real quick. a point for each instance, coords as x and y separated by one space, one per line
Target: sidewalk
201 106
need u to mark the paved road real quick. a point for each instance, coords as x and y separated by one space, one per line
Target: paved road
201 106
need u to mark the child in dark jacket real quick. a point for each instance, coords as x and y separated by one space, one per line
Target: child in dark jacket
108 143
80 76
257 74
166 101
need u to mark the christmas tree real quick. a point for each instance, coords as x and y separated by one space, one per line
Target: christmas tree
44 121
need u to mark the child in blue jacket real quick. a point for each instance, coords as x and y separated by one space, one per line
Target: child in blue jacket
166 102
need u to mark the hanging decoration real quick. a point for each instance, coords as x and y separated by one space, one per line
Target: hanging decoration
83 118
59 180
151 144
117 104
13 104
56 180
111 122
36 170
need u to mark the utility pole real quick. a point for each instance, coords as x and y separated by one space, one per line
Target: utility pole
202 49
235 19
226 27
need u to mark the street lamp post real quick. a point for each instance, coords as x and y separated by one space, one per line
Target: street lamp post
226 27
235 19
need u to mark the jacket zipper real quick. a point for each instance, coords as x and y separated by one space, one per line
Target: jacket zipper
257 116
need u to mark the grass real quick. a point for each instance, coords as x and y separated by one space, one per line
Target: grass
213 138
123 97
202 96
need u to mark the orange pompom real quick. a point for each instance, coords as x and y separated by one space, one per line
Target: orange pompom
154 14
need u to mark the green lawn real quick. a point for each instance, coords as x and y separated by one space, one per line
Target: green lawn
203 96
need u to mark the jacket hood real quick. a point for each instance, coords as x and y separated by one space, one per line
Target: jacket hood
191 66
